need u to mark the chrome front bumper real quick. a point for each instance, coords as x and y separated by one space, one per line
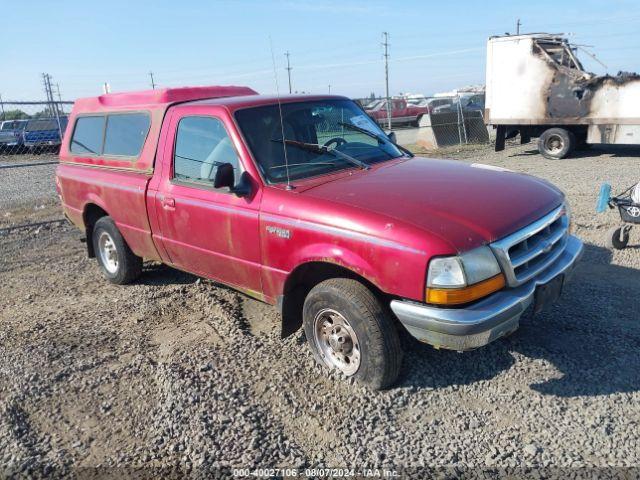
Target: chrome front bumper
486 320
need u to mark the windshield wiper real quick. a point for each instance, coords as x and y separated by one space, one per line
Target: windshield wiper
380 138
320 149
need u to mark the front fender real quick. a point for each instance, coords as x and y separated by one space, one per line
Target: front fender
336 255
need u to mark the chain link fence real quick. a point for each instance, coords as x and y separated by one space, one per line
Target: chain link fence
432 122
32 127
37 127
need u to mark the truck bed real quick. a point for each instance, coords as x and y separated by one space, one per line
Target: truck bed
122 195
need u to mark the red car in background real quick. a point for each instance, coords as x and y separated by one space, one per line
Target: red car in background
402 112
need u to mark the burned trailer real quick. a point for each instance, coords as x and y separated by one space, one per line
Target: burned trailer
537 87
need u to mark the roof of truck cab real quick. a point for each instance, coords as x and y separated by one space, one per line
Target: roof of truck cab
159 99
246 101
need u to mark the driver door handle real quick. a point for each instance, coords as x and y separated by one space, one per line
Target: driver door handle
168 202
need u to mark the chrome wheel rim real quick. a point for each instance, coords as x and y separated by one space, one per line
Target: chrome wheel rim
337 341
554 144
108 252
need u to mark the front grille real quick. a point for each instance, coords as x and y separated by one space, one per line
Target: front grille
527 252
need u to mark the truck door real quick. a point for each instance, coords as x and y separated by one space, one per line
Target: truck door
204 230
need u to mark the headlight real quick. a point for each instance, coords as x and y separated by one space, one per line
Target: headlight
463 278
446 272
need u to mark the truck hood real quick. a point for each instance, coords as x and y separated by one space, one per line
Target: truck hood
465 205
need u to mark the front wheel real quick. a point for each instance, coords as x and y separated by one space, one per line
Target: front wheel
118 263
348 329
556 143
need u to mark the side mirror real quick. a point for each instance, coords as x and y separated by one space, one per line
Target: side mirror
392 136
225 177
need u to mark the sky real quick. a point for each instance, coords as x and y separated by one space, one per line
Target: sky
334 45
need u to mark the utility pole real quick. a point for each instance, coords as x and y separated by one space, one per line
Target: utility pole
58 92
153 84
518 27
47 92
329 89
288 69
386 76
53 106
55 109
2 107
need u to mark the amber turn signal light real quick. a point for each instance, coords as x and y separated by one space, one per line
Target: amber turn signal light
457 296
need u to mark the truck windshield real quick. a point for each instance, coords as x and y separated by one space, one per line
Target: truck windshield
339 129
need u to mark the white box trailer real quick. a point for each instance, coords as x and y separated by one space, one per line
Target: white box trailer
537 87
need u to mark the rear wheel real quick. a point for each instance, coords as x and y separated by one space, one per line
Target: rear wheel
118 263
348 329
618 238
556 143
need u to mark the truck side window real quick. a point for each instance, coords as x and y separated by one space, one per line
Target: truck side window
202 143
87 135
126 134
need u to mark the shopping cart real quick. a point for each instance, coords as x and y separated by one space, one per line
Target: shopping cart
628 205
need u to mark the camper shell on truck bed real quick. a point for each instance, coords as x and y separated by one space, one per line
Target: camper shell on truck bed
151 103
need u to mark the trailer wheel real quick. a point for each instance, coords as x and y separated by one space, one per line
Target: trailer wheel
556 143
618 238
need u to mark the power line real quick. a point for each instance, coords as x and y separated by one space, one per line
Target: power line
288 69
386 76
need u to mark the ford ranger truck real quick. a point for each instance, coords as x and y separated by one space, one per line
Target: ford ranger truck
304 203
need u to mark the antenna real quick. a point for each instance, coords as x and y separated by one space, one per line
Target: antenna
288 69
284 144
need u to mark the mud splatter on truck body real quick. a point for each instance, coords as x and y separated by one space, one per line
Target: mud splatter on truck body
537 81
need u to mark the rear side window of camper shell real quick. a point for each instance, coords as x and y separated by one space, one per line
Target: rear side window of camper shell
110 135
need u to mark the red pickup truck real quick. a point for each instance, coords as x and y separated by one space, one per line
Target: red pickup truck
402 112
304 203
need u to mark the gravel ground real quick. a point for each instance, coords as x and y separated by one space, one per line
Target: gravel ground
180 374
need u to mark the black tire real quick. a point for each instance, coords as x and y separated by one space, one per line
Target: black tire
618 238
379 349
417 121
556 143
128 266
